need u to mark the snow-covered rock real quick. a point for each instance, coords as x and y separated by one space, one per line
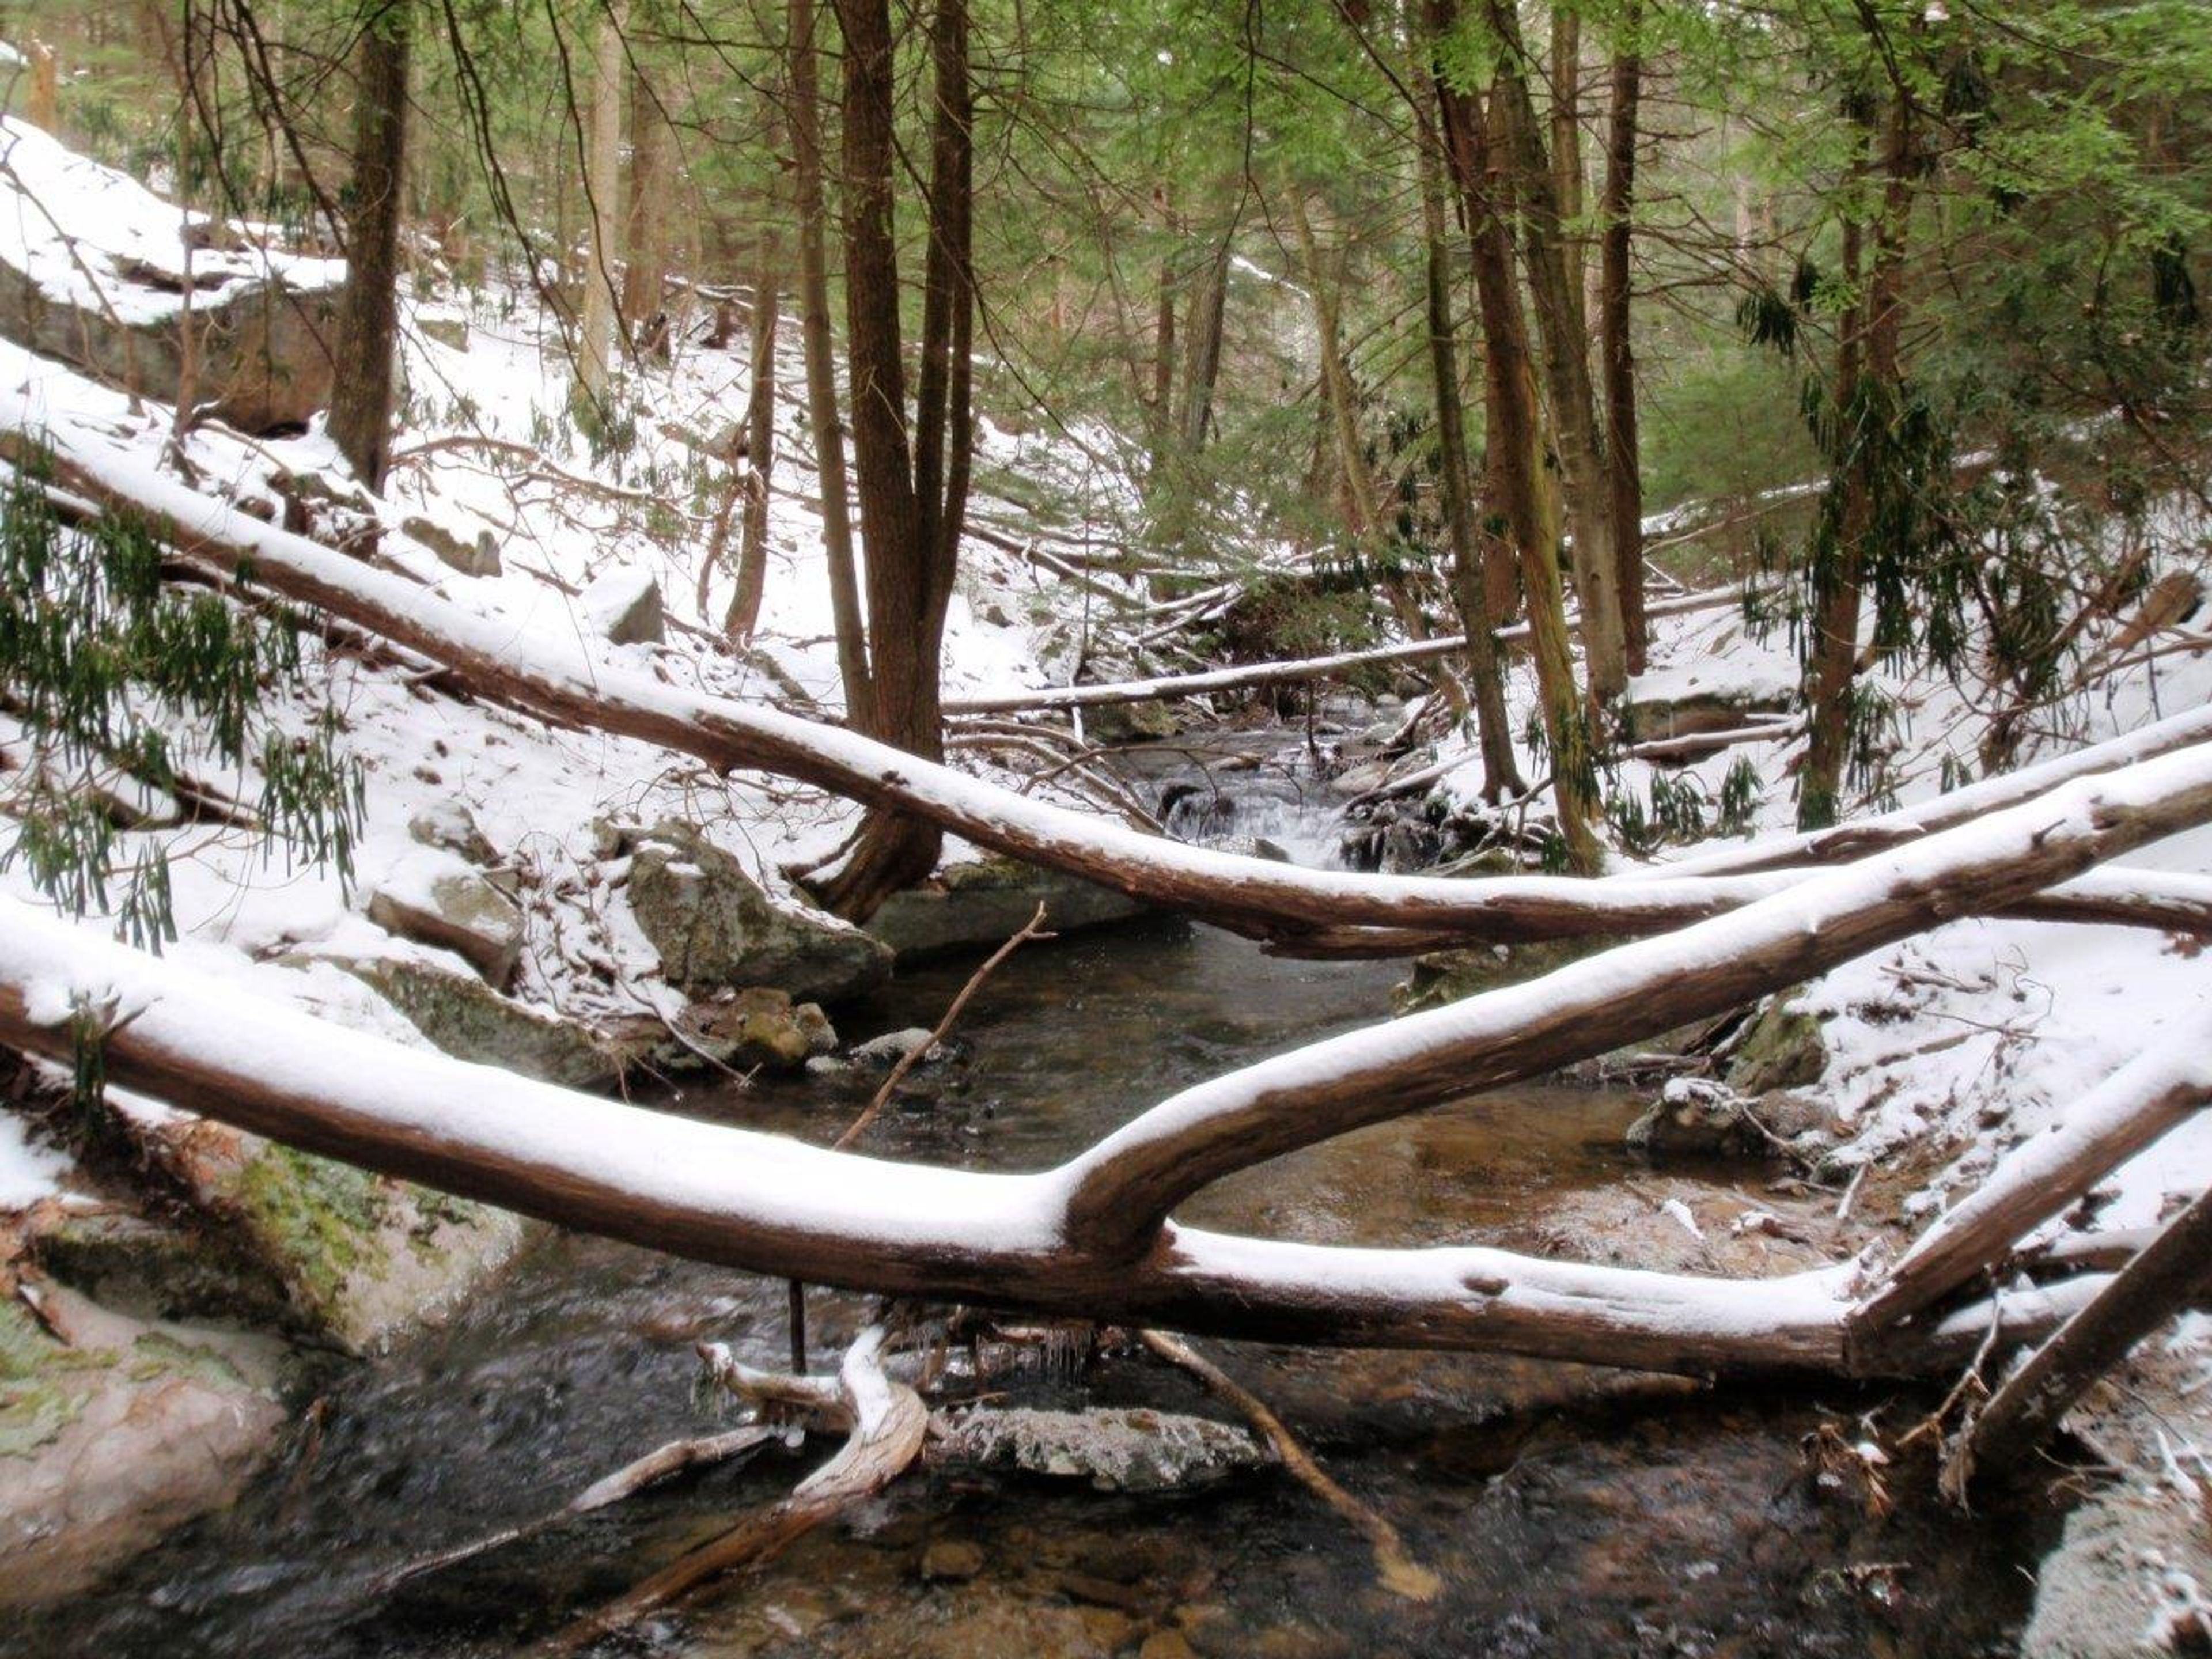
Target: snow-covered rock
624 607
434 898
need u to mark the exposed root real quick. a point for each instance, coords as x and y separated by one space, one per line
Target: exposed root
1397 1571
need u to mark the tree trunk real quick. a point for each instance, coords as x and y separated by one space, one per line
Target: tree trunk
1510 393
369 320
645 265
1566 358
1485 679
1161 413
1201 369
824 423
743 614
1869 384
1567 122
1617 355
1339 400
913 504
603 194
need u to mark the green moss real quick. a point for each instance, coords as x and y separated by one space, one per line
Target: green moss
155 1355
42 1382
315 1217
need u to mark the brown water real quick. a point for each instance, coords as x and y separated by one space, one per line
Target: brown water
1569 1511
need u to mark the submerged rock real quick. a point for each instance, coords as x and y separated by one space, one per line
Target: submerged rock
717 929
1695 1116
985 902
1115 1448
762 1027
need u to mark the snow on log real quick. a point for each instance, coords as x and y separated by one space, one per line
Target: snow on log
1128 1183
2038 1179
553 676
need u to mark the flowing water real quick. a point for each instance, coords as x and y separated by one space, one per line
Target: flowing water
1569 1511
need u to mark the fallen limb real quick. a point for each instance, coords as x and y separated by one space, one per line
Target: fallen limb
1090 1240
554 678
2042 1177
1399 1572
2028 1406
1251 675
889 1425
1033 928
656 1466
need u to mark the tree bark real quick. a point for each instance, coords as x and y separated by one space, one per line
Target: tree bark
1617 355
1513 461
2027 1409
1566 358
1501 777
1868 394
603 193
743 614
1201 369
651 183
913 503
369 320
824 422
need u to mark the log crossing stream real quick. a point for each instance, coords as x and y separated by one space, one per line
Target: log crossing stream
1568 1510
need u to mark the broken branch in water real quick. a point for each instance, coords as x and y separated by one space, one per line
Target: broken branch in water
1400 1573
1033 928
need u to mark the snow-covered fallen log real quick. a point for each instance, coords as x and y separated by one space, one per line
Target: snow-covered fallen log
1250 675
555 678
1092 1238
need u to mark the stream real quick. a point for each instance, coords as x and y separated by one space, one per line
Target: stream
1569 1510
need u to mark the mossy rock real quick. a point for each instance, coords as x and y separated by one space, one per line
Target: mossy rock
1448 976
462 1017
1783 1047
716 928
764 1027
152 1268
42 1382
982 904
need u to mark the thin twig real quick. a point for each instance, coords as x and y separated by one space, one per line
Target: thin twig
1033 928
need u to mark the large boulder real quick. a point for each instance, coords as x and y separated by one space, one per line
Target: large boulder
1783 1047
983 903
717 929
104 291
1706 697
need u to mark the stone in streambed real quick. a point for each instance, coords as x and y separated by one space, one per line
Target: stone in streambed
982 904
462 1017
1115 1448
1783 1047
716 928
761 1026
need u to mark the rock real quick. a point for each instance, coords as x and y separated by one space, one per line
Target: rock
1359 780
624 607
716 928
451 332
478 557
1781 1048
108 1443
362 1258
983 902
448 824
955 1558
155 1267
1131 722
1167 1644
112 302
462 1017
1696 1116
882 1052
1689 702
1117 1448
763 1027
434 899
1443 976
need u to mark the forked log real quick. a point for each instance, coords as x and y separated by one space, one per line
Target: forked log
889 1422
2037 1180
2028 1406
553 678
1091 1239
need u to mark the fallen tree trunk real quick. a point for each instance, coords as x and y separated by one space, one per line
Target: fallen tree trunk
2028 1406
1092 1239
2038 1180
1251 675
553 679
